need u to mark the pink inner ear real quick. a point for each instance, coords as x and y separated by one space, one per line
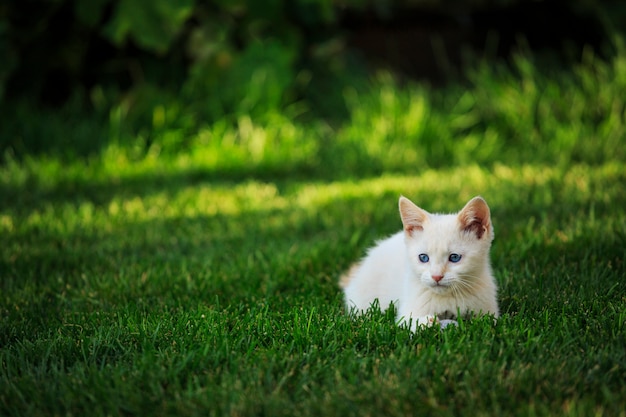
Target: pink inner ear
413 227
477 228
474 217
412 216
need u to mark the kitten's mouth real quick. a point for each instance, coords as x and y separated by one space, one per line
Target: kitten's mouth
439 287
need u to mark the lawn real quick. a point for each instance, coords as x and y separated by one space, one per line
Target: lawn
142 280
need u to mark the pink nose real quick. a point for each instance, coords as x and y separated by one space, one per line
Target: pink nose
437 278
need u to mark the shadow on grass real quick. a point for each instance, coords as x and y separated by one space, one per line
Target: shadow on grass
101 192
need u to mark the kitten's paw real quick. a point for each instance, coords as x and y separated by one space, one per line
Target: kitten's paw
426 321
431 320
448 322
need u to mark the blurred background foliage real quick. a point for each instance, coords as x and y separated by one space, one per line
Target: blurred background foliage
161 76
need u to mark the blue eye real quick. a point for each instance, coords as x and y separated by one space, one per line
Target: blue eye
423 258
454 257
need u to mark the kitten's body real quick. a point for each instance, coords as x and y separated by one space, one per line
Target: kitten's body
439 285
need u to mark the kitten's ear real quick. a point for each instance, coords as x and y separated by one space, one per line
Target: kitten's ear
475 218
412 216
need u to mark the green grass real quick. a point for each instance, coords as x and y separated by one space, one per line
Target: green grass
202 280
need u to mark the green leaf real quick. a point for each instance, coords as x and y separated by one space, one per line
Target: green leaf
152 25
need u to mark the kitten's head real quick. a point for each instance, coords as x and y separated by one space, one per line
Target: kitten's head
448 252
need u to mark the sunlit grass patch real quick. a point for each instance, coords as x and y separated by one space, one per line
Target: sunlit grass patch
530 187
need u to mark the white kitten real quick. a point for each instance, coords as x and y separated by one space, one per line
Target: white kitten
435 269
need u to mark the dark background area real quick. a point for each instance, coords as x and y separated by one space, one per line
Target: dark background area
87 57
51 49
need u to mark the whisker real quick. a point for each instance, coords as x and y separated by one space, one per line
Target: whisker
464 286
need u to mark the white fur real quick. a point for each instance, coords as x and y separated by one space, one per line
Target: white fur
392 272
